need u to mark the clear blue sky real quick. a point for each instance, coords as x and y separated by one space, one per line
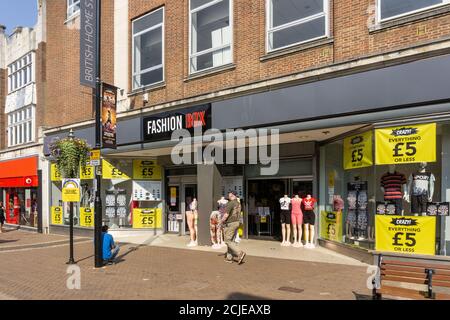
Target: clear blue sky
15 13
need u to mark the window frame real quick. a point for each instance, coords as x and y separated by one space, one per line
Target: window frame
19 126
269 30
380 20
17 75
197 54
71 6
163 54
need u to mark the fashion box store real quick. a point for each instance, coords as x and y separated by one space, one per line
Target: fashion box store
345 162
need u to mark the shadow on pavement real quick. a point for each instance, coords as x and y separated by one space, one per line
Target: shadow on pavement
88 257
244 296
359 296
8 241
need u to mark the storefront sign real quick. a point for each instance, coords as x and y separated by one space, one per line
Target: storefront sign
147 218
146 170
111 172
358 151
161 126
71 190
109 118
331 226
87 173
57 215
55 174
410 235
88 38
87 217
406 144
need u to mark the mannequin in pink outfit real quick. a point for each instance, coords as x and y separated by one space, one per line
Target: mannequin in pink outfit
297 220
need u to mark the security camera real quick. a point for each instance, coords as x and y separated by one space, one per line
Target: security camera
145 98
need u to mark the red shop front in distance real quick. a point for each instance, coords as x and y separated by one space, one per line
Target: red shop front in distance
18 185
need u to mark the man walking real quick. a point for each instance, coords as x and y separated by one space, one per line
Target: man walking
231 222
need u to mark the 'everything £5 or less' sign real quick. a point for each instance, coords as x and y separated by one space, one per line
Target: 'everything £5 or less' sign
358 151
57 215
146 170
410 235
406 144
147 218
87 217
55 174
111 172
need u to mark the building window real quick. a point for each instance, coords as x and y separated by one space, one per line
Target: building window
210 34
21 126
292 22
20 73
148 49
73 7
391 9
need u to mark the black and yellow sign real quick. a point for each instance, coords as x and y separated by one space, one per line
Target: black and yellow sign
87 217
55 174
71 190
146 170
358 151
406 144
331 226
147 218
87 173
111 172
57 215
410 235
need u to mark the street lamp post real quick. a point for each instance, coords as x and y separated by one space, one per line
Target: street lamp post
71 259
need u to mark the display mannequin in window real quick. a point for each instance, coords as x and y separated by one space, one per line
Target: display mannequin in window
309 220
393 185
190 219
285 216
420 189
297 220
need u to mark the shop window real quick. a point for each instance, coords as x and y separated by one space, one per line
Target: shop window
148 49
20 73
390 9
210 34
73 7
21 126
292 22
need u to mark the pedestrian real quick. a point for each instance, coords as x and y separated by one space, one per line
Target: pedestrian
110 249
2 216
230 223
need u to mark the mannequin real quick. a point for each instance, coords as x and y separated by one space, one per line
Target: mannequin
309 220
420 189
338 204
285 220
393 185
350 224
297 220
191 214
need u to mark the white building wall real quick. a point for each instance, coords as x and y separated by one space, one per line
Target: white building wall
121 74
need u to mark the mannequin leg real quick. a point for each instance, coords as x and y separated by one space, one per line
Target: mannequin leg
294 232
307 233
288 234
311 235
283 233
300 233
190 222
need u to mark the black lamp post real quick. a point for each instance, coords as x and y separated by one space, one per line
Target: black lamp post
71 259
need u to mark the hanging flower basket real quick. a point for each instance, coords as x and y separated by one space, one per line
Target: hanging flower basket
70 154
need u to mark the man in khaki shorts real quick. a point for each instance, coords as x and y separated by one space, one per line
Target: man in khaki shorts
230 223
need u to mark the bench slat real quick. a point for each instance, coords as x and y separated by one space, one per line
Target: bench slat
420 275
416 264
405 279
402 292
415 269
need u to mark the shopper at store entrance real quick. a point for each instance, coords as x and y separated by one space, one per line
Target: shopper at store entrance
230 223
2 216
110 249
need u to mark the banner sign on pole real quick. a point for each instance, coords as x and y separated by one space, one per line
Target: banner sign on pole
410 235
71 190
358 151
88 51
109 116
147 218
55 174
406 144
331 226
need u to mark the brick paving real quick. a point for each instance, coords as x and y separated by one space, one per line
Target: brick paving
165 273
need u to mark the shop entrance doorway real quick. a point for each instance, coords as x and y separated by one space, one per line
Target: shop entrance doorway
264 204
179 197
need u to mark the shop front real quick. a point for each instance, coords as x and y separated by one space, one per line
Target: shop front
19 191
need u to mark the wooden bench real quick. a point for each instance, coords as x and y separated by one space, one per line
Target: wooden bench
415 279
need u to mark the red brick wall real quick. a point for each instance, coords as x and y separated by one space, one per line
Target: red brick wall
64 100
349 29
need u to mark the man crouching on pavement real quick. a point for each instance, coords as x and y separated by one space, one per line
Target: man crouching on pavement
110 249
230 222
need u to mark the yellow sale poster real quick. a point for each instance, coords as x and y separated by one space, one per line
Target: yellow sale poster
331 226
55 174
87 217
111 172
147 218
71 190
406 144
358 151
57 215
409 235
146 170
87 173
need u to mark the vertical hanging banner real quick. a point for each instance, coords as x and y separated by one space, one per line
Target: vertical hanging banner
109 116
410 235
55 174
331 226
358 151
88 38
406 144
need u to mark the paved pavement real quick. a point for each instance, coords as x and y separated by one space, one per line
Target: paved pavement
34 271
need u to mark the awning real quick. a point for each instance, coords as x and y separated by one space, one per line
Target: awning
21 173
